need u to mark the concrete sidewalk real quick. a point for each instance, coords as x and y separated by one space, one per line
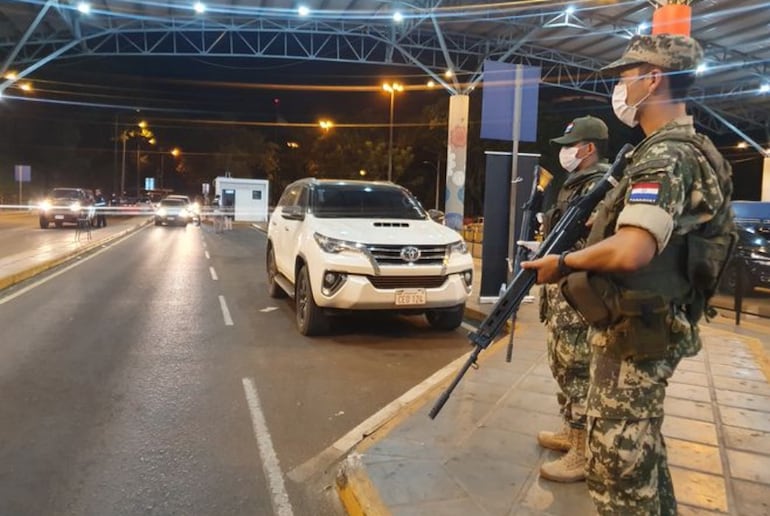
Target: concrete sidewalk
480 455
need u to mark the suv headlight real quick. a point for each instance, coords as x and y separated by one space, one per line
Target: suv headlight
333 245
458 247
75 206
45 205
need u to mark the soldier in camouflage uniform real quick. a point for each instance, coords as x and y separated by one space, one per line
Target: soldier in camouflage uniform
583 147
652 235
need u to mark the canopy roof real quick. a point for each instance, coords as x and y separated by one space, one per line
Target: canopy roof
570 41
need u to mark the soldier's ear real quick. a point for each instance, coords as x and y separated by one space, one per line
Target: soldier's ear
656 76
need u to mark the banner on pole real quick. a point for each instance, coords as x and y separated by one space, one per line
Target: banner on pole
22 173
497 101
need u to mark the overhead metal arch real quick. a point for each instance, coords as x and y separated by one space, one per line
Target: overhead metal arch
569 47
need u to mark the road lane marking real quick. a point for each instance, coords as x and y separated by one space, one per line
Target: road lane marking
269 460
225 311
213 274
208 256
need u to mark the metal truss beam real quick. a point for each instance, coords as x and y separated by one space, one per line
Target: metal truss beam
352 41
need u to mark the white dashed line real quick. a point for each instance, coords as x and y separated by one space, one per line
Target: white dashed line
208 256
270 464
213 274
225 311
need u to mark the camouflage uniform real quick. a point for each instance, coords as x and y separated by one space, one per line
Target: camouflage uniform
568 350
670 190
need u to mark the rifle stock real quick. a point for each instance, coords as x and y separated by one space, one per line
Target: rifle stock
570 228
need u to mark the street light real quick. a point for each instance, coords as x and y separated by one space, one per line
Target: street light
175 152
138 133
392 88
326 125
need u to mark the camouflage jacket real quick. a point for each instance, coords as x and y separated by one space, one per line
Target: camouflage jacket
666 177
554 309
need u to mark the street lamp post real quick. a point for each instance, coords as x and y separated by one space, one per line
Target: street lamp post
141 132
391 88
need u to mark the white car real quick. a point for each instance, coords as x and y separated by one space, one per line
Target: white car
359 245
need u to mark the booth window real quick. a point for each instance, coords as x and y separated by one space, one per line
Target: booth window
256 195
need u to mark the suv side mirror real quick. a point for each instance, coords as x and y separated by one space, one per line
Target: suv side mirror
436 215
293 212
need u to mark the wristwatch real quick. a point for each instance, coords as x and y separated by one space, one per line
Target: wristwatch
563 268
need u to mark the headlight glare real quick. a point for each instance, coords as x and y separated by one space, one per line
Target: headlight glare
75 206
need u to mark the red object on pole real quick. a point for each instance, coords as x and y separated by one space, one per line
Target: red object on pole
672 19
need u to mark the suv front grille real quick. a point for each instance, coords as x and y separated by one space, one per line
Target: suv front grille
391 254
393 282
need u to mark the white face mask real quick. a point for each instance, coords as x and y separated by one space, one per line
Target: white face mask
568 158
624 112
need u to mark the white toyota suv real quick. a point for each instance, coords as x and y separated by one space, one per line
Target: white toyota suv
338 245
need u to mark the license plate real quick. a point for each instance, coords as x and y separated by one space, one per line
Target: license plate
171 218
58 217
410 297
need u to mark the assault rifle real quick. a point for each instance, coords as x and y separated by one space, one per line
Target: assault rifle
529 225
570 228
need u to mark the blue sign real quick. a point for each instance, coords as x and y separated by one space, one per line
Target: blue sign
498 98
22 173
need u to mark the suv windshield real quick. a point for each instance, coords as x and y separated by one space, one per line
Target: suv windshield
172 202
364 201
65 193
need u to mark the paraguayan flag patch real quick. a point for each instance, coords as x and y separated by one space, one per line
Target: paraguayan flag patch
644 192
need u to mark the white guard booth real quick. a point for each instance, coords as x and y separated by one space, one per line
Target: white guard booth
247 197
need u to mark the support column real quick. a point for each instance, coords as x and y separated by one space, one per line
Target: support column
766 179
457 154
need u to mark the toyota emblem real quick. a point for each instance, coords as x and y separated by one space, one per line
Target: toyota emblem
410 254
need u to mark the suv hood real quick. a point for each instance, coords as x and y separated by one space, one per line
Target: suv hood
386 231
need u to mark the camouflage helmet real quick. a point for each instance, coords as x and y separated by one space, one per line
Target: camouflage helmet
670 51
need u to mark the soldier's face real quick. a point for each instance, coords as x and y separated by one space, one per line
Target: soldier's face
636 85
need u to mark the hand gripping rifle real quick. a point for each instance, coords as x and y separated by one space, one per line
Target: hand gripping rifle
570 228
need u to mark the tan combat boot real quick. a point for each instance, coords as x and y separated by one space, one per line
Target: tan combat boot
571 467
558 441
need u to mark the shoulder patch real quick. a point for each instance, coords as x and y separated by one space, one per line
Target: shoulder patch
644 193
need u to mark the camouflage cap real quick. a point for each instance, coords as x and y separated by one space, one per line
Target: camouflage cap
582 129
671 51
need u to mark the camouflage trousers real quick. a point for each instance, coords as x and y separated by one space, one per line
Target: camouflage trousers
627 469
569 358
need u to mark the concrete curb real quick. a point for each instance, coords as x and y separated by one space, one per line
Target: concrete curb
356 492
26 274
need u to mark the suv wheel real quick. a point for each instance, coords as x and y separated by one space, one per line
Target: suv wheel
273 289
446 319
43 223
310 318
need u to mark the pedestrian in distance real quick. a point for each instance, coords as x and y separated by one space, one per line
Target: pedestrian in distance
654 254
582 156
100 203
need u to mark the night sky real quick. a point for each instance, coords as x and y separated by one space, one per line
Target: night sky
180 96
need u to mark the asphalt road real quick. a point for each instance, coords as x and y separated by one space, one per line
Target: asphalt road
155 376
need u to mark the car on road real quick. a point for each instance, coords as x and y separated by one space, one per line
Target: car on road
751 261
193 207
172 212
345 246
67 205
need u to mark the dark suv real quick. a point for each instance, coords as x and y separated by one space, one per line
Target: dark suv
67 205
